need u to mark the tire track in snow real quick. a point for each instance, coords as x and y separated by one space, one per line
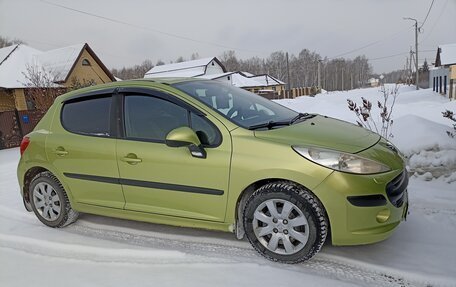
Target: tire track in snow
203 248
324 265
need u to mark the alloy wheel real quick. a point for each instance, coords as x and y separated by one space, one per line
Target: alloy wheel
47 201
280 226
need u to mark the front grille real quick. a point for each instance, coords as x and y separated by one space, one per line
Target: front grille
396 188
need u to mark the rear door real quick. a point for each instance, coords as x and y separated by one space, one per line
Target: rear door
166 180
82 147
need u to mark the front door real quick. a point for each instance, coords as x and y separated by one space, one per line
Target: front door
165 180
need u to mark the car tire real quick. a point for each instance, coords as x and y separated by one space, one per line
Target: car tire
285 222
50 202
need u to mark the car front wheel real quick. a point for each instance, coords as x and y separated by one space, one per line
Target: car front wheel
285 222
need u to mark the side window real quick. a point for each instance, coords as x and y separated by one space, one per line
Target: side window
151 118
88 116
207 133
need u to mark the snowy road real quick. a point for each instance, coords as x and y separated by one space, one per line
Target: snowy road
104 251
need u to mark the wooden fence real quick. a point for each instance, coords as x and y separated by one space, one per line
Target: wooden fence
297 92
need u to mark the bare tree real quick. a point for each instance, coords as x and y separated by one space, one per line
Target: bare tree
42 87
195 56
135 72
76 83
336 74
230 61
5 42
253 65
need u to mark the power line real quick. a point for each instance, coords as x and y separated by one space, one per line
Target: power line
144 27
395 55
367 45
430 7
388 37
386 57
435 23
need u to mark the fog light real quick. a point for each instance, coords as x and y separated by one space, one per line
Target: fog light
383 215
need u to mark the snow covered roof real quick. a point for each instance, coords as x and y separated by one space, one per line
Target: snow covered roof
14 61
446 55
192 68
203 68
241 81
215 76
186 73
245 79
266 80
13 65
60 61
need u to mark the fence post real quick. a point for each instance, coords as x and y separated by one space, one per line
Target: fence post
18 121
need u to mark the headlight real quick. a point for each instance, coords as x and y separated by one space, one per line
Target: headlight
341 161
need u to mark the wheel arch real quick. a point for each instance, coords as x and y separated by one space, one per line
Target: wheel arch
30 174
250 189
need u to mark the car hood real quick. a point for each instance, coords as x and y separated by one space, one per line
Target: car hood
325 132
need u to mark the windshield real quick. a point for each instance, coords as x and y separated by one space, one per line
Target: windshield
239 106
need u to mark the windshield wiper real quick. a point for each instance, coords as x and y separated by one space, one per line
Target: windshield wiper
269 125
301 117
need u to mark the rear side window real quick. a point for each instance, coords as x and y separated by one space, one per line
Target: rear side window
88 116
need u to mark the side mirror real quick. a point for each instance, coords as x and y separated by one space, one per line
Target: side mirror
185 136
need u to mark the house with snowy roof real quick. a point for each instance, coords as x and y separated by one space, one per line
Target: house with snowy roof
442 76
212 68
259 84
187 69
67 65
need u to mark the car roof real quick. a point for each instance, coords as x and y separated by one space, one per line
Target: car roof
146 82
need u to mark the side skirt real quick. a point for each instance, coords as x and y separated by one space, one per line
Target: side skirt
152 218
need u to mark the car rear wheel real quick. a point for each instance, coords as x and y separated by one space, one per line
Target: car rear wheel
285 222
50 202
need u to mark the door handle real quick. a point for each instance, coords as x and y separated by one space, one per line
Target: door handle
131 158
60 151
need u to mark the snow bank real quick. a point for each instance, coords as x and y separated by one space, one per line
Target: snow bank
414 134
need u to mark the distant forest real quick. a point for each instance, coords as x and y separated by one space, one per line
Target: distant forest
336 74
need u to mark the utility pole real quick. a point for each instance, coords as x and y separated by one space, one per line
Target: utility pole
351 81
319 74
343 82
288 76
406 70
410 66
416 51
417 81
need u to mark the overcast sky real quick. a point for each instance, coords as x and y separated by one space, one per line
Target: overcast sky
168 29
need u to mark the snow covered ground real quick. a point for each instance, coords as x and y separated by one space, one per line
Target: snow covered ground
99 251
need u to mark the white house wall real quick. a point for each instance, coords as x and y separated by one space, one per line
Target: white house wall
439 73
213 68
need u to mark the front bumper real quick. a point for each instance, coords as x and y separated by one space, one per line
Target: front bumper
363 221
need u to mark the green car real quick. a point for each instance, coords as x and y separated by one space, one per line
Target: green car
203 154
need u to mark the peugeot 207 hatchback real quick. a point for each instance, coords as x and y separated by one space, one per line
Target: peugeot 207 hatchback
200 153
